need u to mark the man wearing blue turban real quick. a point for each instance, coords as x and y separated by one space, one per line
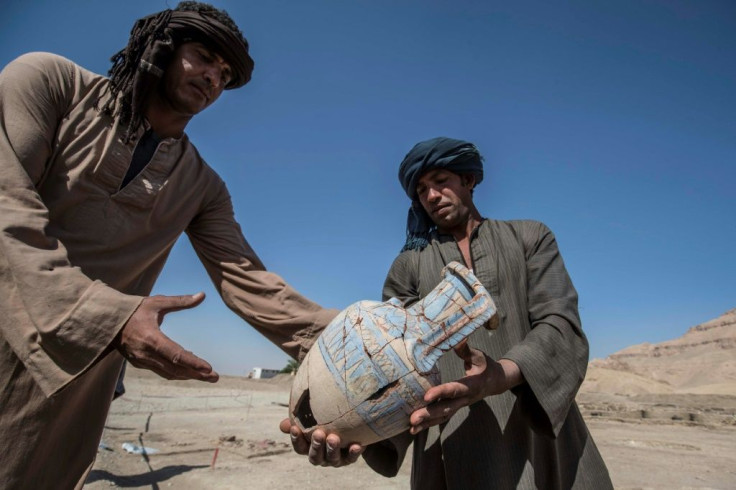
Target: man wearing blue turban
505 416
457 156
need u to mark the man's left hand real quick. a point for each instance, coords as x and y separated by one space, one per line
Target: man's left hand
483 377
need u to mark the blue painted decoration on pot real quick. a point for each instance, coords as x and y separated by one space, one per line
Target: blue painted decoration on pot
369 369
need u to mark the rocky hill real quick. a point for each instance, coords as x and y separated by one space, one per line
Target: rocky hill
702 361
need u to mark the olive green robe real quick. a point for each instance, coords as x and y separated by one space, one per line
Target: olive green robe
532 436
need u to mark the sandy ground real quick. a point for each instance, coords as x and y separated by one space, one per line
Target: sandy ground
647 441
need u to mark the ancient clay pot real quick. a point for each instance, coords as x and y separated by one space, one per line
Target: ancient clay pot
369 370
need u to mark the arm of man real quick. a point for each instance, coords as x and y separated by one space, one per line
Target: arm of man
57 320
266 302
553 356
261 298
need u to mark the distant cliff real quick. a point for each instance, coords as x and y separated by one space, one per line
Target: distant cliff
702 361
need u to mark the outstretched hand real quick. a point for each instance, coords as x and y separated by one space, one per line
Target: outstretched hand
323 449
143 344
483 377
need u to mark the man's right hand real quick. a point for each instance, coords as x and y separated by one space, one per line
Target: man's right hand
483 377
323 449
143 344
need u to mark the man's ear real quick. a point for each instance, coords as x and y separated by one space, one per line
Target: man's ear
468 180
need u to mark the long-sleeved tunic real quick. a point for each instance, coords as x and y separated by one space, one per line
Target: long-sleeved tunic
78 252
532 436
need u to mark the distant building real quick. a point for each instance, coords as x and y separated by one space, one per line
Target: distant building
261 373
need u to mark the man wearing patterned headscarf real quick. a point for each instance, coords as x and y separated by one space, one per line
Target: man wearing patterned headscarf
97 181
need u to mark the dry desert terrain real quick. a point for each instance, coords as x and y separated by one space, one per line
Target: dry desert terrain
663 416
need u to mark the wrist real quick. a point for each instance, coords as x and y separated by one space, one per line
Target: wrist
513 376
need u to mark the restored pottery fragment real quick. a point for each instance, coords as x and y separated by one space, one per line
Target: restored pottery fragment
369 370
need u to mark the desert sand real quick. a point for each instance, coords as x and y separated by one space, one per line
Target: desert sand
662 415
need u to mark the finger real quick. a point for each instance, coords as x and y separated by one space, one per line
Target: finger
333 453
167 304
150 357
418 416
156 367
474 360
189 366
182 362
438 414
452 396
444 391
477 362
463 350
416 429
298 441
285 426
186 359
354 453
317 448
443 414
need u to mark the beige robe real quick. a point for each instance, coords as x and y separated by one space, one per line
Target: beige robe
532 436
77 253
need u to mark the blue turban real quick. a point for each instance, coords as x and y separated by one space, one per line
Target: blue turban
450 154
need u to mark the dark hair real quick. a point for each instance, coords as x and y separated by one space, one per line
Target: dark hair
123 102
210 11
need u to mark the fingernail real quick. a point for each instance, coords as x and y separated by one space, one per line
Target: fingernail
330 447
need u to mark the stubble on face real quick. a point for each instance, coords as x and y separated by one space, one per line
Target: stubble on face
447 198
194 79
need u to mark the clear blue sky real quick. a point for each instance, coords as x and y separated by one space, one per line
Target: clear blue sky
612 122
